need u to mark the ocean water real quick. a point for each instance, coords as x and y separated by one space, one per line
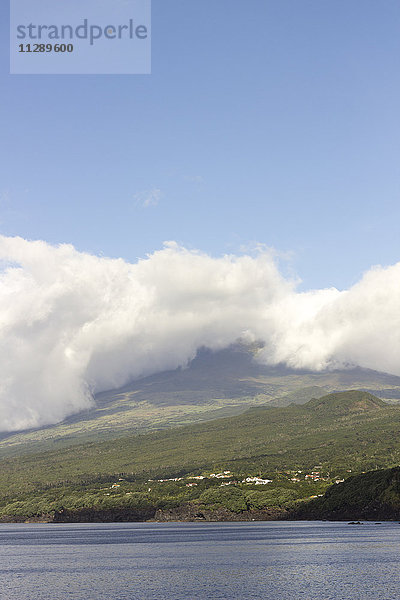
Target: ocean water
199 561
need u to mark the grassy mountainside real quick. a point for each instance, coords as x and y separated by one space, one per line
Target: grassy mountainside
330 437
214 385
374 495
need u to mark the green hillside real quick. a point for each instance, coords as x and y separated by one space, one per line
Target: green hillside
214 385
374 495
337 434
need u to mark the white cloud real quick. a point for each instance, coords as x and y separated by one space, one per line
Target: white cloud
148 197
72 324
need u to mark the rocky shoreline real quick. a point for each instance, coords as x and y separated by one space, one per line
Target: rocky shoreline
184 513
193 515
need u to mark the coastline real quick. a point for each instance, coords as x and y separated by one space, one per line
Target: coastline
185 513
193 513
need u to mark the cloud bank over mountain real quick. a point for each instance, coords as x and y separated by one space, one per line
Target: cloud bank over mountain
73 324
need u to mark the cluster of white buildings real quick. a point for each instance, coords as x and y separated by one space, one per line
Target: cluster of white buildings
163 480
224 475
256 480
294 476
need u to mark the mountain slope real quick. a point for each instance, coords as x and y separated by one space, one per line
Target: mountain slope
215 384
361 435
344 403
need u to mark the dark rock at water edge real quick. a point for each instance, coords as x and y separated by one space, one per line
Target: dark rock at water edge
194 512
93 515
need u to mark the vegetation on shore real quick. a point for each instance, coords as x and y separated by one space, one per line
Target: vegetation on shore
373 495
136 496
301 449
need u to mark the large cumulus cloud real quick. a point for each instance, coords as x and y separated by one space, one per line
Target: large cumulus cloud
72 324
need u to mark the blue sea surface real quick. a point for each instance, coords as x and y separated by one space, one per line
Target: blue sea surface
199 561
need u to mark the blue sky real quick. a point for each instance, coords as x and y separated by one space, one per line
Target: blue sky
273 122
